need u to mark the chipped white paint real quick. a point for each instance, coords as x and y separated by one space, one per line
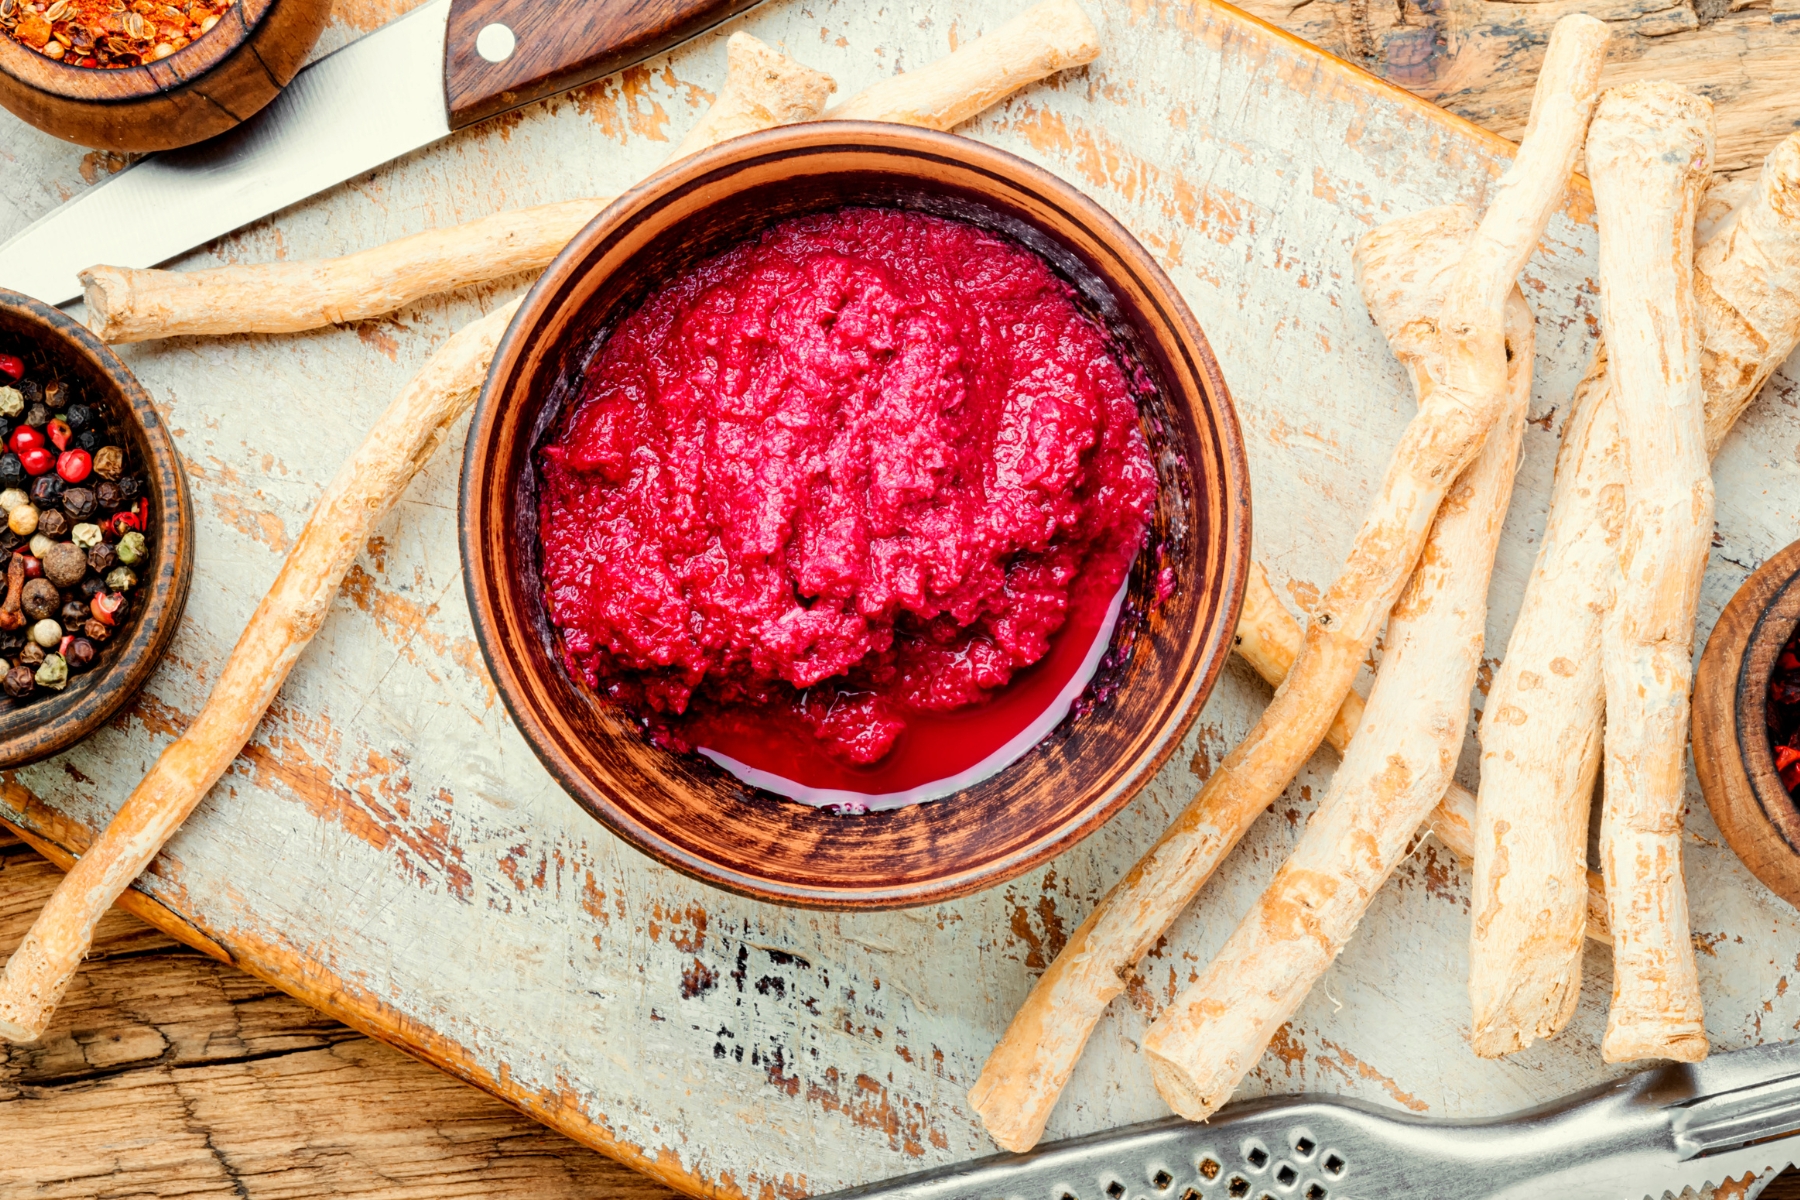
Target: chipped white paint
388 829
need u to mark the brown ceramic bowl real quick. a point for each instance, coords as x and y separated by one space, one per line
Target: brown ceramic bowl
691 814
1732 752
221 78
47 723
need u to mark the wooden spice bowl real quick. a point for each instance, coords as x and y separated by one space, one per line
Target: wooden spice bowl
219 80
691 814
41 725
1732 752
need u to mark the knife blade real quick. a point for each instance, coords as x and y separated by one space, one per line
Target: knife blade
443 66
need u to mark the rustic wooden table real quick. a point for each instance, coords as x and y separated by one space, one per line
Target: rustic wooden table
719 1045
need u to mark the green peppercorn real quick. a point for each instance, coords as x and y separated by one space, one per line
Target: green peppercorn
12 402
131 547
53 673
121 579
86 535
20 682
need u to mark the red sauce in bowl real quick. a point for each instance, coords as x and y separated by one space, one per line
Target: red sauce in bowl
846 503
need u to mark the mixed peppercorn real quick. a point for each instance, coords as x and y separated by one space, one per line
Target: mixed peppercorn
76 520
108 33
1784 714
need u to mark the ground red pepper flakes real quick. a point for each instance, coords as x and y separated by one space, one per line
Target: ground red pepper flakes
108 33
1784 714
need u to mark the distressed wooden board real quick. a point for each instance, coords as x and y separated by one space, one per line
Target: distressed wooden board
388 849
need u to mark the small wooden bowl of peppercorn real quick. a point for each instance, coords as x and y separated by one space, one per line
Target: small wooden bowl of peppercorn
136 75
95 543
1746 732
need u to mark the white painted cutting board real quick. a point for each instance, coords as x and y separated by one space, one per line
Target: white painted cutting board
389 849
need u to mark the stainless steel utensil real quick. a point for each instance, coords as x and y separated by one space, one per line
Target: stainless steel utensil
1654 1132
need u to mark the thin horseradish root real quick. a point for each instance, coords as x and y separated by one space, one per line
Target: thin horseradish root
1027 1071
763 89
1649 153
1395 771
1541 732
1268 638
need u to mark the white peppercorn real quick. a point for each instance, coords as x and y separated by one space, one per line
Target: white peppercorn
46 633
121 579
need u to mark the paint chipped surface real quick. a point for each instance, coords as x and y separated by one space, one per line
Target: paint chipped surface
388 848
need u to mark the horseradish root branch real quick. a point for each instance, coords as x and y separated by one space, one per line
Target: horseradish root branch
763 89
1541 733
126 305
1052 36
1026 1072
1268 638
1648 154
1395 771
290 614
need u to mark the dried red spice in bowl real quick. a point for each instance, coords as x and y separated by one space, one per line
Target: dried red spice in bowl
1783 714
108 33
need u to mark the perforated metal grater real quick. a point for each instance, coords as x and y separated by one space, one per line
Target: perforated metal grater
1638 1138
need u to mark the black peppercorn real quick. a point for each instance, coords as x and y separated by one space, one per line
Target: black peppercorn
74 614
10 641
78 503
129 487
88 440
107 495
29 389
102 557
79 417
46 490
95 630
52 523
93 585
19 682
12 471
37 416
31 654
9 541
81 654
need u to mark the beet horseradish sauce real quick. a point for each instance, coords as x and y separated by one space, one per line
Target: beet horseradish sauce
849 508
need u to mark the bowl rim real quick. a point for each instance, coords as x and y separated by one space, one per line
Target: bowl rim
1733 757
154 626
1233 536
127 85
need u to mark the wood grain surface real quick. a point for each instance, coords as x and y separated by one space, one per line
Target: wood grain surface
559 46
170 1073
469 913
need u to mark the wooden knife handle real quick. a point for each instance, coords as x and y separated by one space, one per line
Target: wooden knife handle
556 45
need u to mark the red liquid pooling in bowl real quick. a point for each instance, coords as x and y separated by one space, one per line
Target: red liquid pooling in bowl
851 504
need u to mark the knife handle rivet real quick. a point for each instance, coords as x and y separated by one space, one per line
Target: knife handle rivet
495 42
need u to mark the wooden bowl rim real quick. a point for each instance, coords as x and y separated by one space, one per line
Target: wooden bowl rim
1732 752
127 85
72 715
1232 537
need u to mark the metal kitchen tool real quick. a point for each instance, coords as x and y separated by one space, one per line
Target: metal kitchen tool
1654 1132
443 66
